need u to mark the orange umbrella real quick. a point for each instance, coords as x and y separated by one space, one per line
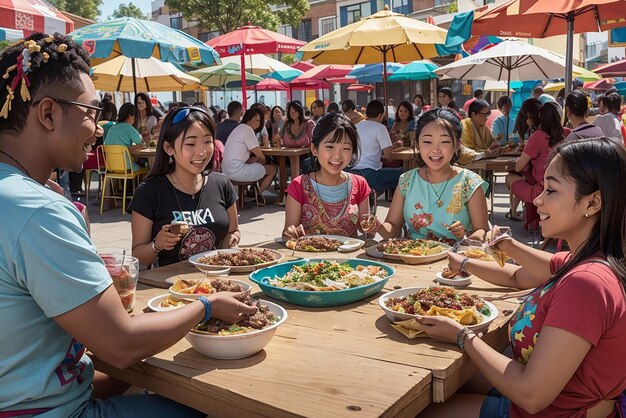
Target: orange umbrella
544 18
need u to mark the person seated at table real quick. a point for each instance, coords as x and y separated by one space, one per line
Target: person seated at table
375 142
107 120
56 295
609 120
349 109
243 159
527 181
262 136
575 109
418 104
318 109
333 107
446 99
438 199
402 132
147 117
123 133
329 200
297 130
181 188
275 125
224 128
568 335
476 133
503 126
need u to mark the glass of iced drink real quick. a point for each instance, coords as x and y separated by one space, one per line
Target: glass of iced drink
124 271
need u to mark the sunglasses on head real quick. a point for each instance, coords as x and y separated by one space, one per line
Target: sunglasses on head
181 113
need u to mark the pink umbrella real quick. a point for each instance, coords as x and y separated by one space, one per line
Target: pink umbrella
614 69
302 66
603 84
33 16
326 72
249 40
361 87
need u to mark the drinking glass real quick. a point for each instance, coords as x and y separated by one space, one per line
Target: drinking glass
124 271
367 222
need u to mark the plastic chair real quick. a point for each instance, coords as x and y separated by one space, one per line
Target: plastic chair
94 164
118 162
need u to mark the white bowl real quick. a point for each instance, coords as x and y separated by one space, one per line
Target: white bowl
155 304
230 347
245 286
213 273
398 316
457 281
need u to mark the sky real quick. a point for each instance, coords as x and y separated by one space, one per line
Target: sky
108 6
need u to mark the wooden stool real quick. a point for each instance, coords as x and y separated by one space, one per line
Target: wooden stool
242 186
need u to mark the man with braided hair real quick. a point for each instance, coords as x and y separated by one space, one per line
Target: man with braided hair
55 292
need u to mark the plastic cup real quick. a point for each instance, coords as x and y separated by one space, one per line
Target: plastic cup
124 271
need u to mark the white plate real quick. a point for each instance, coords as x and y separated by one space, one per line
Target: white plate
372 251
397 316
349 244
456 281
155 304
235 269
245 286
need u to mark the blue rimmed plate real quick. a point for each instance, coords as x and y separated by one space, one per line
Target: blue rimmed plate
318 299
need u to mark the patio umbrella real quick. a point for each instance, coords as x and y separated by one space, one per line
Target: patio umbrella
603 84
361 87
381 37
27 16
555 86
614 69
544 18
302 65
416 70
252 40
136 38
150 75
222 75
374 73
506 61
283 75
326 74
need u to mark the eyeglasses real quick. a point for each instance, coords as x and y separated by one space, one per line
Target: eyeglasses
183 112
97 108
485 114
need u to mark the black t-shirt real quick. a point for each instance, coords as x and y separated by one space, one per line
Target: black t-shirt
158 200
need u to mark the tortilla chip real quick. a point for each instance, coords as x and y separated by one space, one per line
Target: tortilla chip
462 316
410 328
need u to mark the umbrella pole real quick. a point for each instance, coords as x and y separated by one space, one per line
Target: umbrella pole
385 83
244 99
569 52
508 114
132 61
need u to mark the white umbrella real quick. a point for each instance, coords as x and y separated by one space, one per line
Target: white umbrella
259 63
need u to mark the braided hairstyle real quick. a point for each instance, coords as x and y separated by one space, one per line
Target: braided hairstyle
29 66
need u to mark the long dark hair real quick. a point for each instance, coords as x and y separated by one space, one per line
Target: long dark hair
449 121
550 120
250 113
339 125
598 164
530 108
448 92
171 132
408 107
149 111
298 109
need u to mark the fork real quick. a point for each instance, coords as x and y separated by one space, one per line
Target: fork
506 296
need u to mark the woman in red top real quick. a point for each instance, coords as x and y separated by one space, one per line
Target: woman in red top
545 122
568 335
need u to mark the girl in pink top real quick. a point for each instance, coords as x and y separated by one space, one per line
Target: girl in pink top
527 183
297 131
328 200
569 333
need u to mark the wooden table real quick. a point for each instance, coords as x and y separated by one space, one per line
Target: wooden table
294 161
502 163
148 153
407 156
321 362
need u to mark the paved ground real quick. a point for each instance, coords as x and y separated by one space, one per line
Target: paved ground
111 230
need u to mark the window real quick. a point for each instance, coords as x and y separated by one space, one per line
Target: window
286 30
304 32
176 22
327 25
402 6
205 36
357 11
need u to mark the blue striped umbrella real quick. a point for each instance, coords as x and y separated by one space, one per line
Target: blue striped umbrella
373 73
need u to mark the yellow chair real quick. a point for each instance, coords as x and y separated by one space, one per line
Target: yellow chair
119 166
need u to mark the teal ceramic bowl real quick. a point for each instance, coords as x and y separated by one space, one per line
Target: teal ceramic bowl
318 299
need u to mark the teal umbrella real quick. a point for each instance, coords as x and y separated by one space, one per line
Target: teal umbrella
223 75
135 38
283 75
416 70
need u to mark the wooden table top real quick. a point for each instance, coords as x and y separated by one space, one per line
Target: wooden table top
502 163
284 151
323 362
403 153
144 152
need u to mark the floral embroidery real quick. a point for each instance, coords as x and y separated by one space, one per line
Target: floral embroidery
418 206
421 220
405 180
456 204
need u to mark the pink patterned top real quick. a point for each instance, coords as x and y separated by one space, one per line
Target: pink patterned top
304 136
321 217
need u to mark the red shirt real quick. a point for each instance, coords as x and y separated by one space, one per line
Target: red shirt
588 301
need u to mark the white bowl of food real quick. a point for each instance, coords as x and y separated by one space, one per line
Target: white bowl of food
193 289
166 302
457 280
239 345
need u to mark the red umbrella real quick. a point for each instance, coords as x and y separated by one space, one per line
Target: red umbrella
603 84
614 69
302 65
252 40
326 72
33 16
361 87
269 84
544 18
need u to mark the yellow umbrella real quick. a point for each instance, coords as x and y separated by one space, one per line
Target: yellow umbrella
584 74
554 86
150 74
381 37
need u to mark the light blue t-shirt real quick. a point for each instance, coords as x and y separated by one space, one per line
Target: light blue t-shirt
48 266
498 127
124 134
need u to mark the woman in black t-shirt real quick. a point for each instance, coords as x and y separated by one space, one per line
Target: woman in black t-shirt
180 189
